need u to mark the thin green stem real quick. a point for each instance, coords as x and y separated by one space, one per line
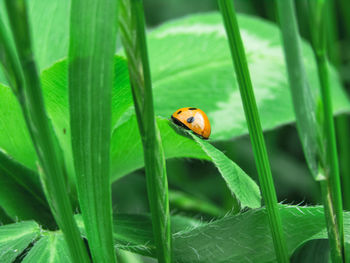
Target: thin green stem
254 126
343 130
334 216
132 27
50 156
332 168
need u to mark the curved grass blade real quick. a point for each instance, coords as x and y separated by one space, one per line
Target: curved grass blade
27 85
132 27
254 127
93 35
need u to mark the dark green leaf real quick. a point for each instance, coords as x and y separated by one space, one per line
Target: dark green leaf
20 193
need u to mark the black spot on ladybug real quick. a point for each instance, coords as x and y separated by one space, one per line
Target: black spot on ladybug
64 130
179 111
192 108
179 123
190 119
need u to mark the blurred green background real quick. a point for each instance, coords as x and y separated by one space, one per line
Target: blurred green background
193 181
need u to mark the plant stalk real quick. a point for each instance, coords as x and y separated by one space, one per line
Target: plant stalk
334 216
132 27
254 127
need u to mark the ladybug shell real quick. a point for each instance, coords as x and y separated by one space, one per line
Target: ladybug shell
193 119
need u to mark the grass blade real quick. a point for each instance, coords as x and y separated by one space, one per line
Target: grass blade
254 126
332 196
49 153
132 26
315 124
302 96
91 63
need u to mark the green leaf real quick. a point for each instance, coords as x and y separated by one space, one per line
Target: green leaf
235 238
51 248
190 61
313 251
134 232
14 136
127 153
197 63
93 35
20 193
14 238
240 184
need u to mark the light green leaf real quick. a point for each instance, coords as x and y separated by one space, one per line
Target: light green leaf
240 184
51 248
14 238
127 153
191 66
188 65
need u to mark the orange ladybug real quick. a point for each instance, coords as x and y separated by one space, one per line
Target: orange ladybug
193 119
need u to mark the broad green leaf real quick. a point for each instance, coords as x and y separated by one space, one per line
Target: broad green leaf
189 60
14 238
191 66
235 238
127 153
240 184
51 248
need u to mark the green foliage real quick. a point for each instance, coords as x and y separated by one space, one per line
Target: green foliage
14 238
52 247
190 66
93 34
254 126
19 185
51 163
192 83
235 238
133 35
190 61
240 184
314 114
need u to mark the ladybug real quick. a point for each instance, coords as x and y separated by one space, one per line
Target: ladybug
193 119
